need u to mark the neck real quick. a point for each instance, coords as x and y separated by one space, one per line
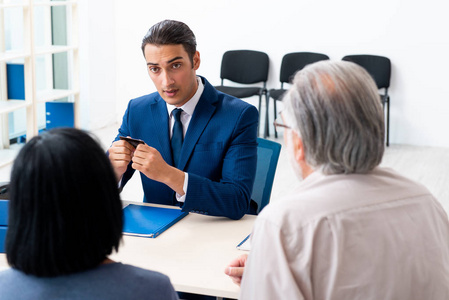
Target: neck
306 169
107 261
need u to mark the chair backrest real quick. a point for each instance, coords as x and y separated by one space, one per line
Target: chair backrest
4 190
293 62
267 160
378 66
244 66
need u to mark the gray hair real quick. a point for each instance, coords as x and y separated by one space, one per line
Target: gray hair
335 108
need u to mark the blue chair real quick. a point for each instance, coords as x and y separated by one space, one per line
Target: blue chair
267 160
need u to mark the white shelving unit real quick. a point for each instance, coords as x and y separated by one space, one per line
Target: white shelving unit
28 55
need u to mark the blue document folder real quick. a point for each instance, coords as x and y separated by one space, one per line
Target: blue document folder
3 223
149 221
245 244
3 230
4 212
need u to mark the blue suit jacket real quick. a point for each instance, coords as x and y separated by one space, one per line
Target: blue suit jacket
219 151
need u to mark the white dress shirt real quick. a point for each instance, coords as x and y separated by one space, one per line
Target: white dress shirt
186 115
373 236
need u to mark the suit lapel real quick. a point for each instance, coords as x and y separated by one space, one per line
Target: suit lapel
201 116
160 119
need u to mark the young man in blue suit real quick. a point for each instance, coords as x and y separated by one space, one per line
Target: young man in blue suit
205 161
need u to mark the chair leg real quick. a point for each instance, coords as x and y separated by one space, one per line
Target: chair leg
275 115
260 116
267 100
258 123
388 122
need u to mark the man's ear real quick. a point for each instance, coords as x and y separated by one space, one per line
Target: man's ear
196 60
300 155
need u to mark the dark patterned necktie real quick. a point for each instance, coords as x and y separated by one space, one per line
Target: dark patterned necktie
177 136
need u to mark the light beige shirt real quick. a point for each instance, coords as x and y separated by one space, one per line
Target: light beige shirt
374 236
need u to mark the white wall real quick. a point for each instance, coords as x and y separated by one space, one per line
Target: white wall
413 34
97 63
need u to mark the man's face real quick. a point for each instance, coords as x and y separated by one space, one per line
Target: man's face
291 154
171 71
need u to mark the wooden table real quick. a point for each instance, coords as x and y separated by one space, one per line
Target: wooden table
193 253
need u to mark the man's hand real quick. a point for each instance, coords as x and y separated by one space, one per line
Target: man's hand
149 161
120 154
236 267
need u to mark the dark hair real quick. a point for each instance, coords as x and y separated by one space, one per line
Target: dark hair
65 213
169 32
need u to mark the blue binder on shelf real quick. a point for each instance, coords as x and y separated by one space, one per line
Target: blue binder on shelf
15 81
59 114
149 221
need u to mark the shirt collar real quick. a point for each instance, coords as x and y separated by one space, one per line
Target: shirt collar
189 106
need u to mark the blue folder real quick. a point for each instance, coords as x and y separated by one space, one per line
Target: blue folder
3 223
149 221
3 230
4 212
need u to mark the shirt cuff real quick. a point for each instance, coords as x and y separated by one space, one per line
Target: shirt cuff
182 198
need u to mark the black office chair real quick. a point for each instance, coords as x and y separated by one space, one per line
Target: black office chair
380 69
245 67
4 190
291 63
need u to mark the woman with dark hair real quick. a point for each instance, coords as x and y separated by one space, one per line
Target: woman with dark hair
65 218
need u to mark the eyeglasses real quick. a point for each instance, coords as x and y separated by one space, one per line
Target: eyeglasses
279 125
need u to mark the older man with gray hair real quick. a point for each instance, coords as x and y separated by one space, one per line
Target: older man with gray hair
351 229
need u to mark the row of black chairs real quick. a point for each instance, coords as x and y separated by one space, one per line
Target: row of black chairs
248 67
